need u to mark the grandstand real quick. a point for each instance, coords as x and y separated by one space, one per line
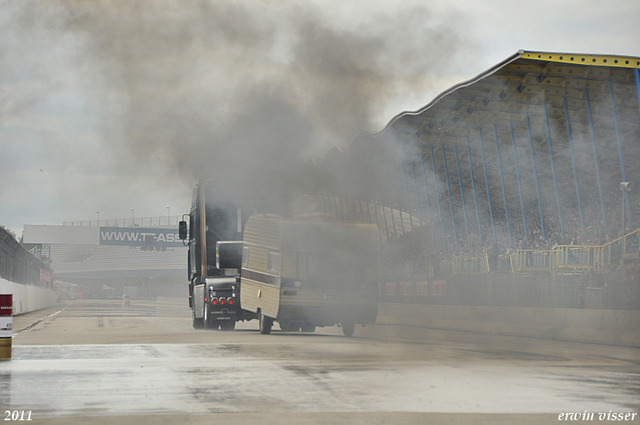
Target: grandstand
111 258
528 167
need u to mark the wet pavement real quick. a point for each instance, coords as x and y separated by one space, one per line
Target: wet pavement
100 360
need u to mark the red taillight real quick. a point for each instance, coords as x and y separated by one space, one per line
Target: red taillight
223 301
214 301
230 300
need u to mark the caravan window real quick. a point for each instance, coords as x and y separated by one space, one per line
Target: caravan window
273 262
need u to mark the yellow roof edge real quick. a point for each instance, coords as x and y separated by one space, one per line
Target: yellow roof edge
581 59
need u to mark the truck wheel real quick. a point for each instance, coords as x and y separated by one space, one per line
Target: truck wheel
265 324
197 323
348 329
308 327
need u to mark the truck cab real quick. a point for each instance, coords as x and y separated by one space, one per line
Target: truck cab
214 235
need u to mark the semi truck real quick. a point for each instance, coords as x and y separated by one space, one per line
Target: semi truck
214 235
310 272
303 272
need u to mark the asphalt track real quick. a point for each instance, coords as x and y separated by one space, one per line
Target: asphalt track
101 362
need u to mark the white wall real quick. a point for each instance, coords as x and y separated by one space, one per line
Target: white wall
28 298
612 327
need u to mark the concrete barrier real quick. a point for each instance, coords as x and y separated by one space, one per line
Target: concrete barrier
28 298
614 327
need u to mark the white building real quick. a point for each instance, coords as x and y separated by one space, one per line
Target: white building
112 261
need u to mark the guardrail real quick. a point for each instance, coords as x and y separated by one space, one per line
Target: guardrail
573 257
128 222
528 260
470 264
617 249
19 265
565 258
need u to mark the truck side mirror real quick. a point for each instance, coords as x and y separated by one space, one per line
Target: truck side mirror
182 230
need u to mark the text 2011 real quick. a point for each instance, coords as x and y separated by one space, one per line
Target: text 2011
17 415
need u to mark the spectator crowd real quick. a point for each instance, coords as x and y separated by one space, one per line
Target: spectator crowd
592 232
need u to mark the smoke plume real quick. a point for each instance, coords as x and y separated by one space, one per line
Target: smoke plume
242 92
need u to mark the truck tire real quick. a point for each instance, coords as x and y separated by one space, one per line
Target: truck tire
348 328
197 323
265 324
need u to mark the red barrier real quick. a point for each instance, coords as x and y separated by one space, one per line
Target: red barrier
6 326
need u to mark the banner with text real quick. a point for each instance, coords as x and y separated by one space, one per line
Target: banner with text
151 237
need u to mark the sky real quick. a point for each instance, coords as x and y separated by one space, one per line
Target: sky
115 108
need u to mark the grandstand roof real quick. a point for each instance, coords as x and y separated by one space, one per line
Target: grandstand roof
548 110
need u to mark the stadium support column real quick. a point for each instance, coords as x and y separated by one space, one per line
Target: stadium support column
453 219
375 205
504 195
395 175
535 177
553 169
619 142
361 210
384 217
573 162
475 196
515 159
341 209
393 220
635 72
346 215
595 160
435 183
355 212
464 208
486 181
426 190
415 185
406 195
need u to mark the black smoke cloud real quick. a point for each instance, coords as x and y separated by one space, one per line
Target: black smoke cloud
243 92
